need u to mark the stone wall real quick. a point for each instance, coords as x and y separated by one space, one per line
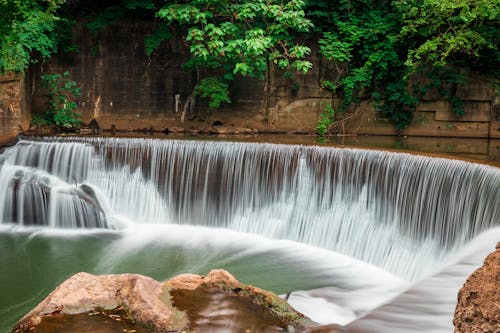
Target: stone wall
14 104
125 89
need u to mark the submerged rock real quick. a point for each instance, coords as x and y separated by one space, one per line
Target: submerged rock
478 307
217 302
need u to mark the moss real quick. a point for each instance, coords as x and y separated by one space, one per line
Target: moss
273 303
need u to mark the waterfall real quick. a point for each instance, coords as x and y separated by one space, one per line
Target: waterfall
401 212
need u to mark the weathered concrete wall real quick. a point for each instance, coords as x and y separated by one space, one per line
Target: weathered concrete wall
123 88
434 116
14 104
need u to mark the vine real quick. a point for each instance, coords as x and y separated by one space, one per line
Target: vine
61 105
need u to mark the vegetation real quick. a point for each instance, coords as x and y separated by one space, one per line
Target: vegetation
227 37
375 49
61 105
30 30
378 46
326 118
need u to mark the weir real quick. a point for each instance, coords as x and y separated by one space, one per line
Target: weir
377 241
401 212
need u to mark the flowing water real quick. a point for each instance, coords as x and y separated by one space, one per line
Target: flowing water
352 228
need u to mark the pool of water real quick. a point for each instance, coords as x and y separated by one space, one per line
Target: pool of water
35 260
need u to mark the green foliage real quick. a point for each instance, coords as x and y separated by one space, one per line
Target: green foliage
442 31
61 107
232 36
159 35
374 48
213 89
365 42
113 14
325 120
378 46
28 32
241 37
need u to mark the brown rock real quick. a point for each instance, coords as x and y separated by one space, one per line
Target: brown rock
175 129
478 307
185 281
244 305
221 277
83 292
215 278
213 302
332 328
241 130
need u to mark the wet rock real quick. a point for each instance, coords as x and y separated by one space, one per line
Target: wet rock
241 130
478 306
218 130
221 283
175 129
217 302
87 194
332 328
141 296
93 124
86 130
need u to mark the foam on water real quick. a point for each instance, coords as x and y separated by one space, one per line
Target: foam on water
429 305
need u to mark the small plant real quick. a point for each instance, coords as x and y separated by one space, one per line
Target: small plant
215 90
325 120
61 107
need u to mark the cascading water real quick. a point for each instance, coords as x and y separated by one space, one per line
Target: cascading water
400 212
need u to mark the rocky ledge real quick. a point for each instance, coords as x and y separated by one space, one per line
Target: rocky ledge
191 303
478 307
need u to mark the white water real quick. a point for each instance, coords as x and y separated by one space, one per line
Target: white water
430 303
405 214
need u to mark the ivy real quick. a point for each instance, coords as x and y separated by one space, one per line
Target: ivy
61 105
378 46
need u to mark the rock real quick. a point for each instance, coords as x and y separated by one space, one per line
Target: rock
241 130
174 129
332 328
85 130
185 281
93 124
218 130
188 302
245 307
83 292
478 306
215 278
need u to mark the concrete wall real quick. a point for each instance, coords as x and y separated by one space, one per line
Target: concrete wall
14 104
125 89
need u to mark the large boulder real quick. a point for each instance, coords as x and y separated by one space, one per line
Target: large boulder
141 296
478 307
217 302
